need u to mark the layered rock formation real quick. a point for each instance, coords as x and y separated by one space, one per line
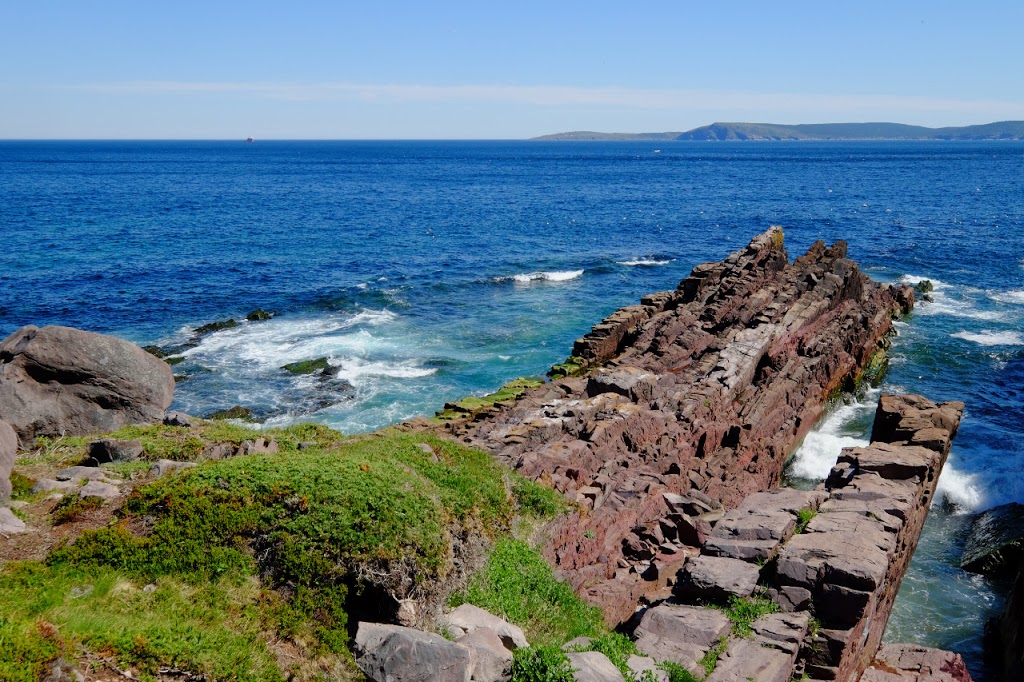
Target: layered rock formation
59 380
706 388
842 565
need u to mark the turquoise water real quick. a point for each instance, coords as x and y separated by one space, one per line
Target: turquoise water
431 270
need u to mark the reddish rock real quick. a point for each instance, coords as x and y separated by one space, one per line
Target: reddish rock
915 663
704 389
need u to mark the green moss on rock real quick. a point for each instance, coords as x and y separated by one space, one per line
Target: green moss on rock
473 406
572 367
307 366
212 327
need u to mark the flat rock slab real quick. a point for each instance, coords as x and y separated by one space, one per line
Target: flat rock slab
715 578
745 660
645 665
99 489
79 473
593 666
789 500
679 633
46 485
389 653
783 631
915 663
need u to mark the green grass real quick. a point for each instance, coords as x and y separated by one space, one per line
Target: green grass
212 628
72 508
21 486
541 664
744 611
803 517
518 585
710 660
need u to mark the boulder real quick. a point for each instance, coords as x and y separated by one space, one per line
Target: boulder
646 669
593 666
681 634
8 452
166 466
59 380
492 661
179 419
104 491
745 660
393 653
108 450
467 618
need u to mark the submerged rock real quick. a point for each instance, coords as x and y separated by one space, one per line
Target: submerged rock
236 412
309 366
212 327
259 315
63 381
995 543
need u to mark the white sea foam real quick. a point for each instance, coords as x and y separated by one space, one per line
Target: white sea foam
1012 296
554 276
992 338
645 262
354 369
818 453
959 489
949 299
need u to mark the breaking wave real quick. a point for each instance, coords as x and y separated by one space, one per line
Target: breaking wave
987 337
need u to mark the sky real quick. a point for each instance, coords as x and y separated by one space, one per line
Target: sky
496 70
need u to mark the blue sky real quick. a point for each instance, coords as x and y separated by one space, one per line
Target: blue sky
348 70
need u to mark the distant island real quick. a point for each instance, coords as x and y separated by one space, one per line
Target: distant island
1002 130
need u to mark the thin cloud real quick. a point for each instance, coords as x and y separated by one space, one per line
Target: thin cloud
560 96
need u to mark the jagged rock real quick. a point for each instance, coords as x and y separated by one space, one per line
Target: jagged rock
681 634
466 618
166 466
108 450
916 663
715 579
389 653
492 662
593 666
59 380
179 419
80 473
705 389
9 523
995 543
8 453
99 489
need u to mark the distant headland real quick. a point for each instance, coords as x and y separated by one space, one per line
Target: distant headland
1002 130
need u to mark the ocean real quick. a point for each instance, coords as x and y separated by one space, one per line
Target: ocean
427 271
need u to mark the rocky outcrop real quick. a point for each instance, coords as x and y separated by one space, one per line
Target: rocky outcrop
702 390
59 380
915 663
842 564
995 546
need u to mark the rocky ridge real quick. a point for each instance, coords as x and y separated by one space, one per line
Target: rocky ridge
704 389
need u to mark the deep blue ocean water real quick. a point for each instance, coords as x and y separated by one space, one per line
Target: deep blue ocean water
431 270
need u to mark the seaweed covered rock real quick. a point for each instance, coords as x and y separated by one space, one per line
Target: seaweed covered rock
63 381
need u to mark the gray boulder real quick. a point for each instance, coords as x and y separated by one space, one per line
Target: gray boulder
393 653
467 618
59 380
492 661
8 452
166 466
593 666
711 578
104 491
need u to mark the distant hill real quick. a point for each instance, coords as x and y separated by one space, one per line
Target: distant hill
1003 130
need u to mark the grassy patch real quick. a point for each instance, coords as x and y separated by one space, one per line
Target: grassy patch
803 517
518 585
71 508
743 612
541 664
537 500
677 673
21 486
212 629
710 660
